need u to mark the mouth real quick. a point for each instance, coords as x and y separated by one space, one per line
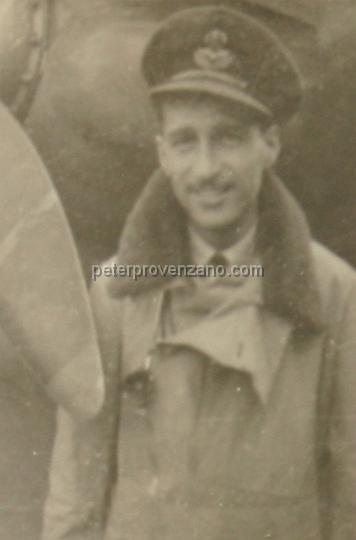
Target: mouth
212 196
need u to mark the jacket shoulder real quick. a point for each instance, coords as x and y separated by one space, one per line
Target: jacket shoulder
330 266
335 277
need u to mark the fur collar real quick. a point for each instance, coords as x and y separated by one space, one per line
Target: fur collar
155 234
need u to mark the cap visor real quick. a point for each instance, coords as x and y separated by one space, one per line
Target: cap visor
217 89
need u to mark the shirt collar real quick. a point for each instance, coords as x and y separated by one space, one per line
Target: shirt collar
239 253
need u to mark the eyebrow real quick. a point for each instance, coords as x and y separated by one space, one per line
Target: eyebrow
231 125
228 125
180 132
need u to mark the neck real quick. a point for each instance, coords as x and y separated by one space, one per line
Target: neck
223 237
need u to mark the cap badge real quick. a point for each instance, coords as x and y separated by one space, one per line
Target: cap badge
214 56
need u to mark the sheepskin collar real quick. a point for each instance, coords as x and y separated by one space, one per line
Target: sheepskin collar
155 234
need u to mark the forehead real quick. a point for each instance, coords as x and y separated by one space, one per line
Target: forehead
201 112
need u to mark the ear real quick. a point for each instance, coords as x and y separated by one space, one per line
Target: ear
161 152
272 138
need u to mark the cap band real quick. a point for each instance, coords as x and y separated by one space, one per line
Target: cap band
199 74
213 83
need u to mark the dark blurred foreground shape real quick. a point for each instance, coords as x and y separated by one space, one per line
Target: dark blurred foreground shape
27 414
47 336
93 128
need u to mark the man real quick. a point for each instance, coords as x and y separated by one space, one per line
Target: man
230 407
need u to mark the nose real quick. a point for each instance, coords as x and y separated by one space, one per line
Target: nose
206 164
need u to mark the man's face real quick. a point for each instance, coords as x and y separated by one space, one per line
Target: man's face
215 160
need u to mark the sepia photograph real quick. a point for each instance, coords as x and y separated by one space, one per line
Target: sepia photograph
177 264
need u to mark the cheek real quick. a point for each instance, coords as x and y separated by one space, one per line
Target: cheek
179 189
248 170
179 174
174 165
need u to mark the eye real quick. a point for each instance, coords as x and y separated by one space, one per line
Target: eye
230 135
182 141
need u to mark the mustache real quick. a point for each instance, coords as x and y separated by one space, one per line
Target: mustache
218 181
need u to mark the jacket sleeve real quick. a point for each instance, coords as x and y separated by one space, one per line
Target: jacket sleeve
342 431
82 462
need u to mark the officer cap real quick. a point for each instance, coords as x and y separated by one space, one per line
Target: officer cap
224 53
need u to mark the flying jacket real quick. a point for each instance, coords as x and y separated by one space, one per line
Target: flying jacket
296 463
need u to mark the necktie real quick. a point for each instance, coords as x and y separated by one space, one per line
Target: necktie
218 260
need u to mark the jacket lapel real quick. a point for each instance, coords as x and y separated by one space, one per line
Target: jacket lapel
249 338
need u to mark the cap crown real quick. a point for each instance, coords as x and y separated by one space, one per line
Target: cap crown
223 52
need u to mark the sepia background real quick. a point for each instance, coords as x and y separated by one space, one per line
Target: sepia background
69 70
